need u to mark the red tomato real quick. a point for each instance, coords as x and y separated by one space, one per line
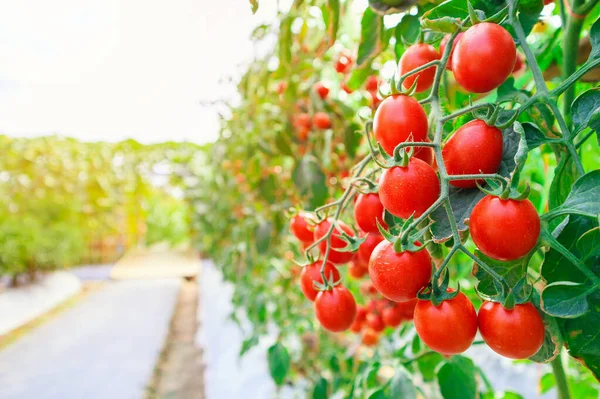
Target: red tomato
504 229
356 326
546 2
372 84
335 309
344 86
321 120
367 211
474 148
367 288
311 274
281 87
302 120
443 44
370 337
335 257
517 333
409 190
407 308
303 133
375 322
415 56
376 100
343 63
399 276
322 90
392 316
357 271
300 227
484 57
519 64
425 154
449 328
398 119
359 320
366 248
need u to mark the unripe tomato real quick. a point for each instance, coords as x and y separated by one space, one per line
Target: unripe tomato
407 308
517 333
484 57
398 119
367 211
415 56
370 337
335 257
392 316
474 148
302 120
335 309
375 322
443 45
300 227
372 84
504 229
357 270
321 120
409 190
343 63
449 328
311 274
322 90
399 276
366 248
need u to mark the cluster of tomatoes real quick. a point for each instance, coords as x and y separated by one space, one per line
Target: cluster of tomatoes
502 228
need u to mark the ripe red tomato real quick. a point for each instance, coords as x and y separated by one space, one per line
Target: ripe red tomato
321 120
344 86
449 328
343 63
367 288
375 322
367 211
300 227
484 57
311 273
357 270
303 133
372 84
335 257
519 64
398 119
546 2
415 56
407 308
370 337
443 45
392 316
335 309
504 229
474 148
425 154
399 276
517 333
302 120
322 90
366 248
409 190
359 320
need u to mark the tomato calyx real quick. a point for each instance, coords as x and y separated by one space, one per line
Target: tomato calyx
437 292
478 16
406 242
328 281
369 186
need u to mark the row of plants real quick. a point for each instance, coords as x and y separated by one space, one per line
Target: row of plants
59 197
398 179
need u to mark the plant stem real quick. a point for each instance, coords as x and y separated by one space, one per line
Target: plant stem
570 50
561 378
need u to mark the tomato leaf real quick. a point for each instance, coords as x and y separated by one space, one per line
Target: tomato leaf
262 235
457 379
285 42
392 7
279 362
352 138
595 40
401 386
407 31
254 4
371 37
565 299
511 271
447 16
320 389
588 244
552 338
565 175
310 181
334 20
584 198
462 202
585 109
534 135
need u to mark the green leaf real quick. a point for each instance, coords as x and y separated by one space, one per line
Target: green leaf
378 394
310 181
511 271
248 344
585 109
565 175
584 198
334 20
457 379
428 364
565 299
588 244
358 76
283 144
254 4
385 7
352 138
262 237
553 341
320 390
446 16
371 35
595 39
408 29
462 202
267 187
401 386
279 362
285 42
534 135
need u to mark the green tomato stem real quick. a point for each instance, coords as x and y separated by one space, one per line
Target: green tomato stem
562 385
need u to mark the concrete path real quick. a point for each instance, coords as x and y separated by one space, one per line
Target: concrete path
105 347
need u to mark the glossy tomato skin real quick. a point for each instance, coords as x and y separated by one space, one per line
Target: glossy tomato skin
407 308
300 227
372 84
474 148
449 328
399 276
335 257
321 120
517 333
366 248
367 211
370 337
504 229
357 270
335 309
359 320
425 154
322 90
409 190
311 273
484 57
398 119
392 316
415 56
375 322
443 45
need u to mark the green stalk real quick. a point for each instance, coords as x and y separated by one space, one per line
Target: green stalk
561 378
570 50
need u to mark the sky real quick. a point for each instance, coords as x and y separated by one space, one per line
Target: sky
115 69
